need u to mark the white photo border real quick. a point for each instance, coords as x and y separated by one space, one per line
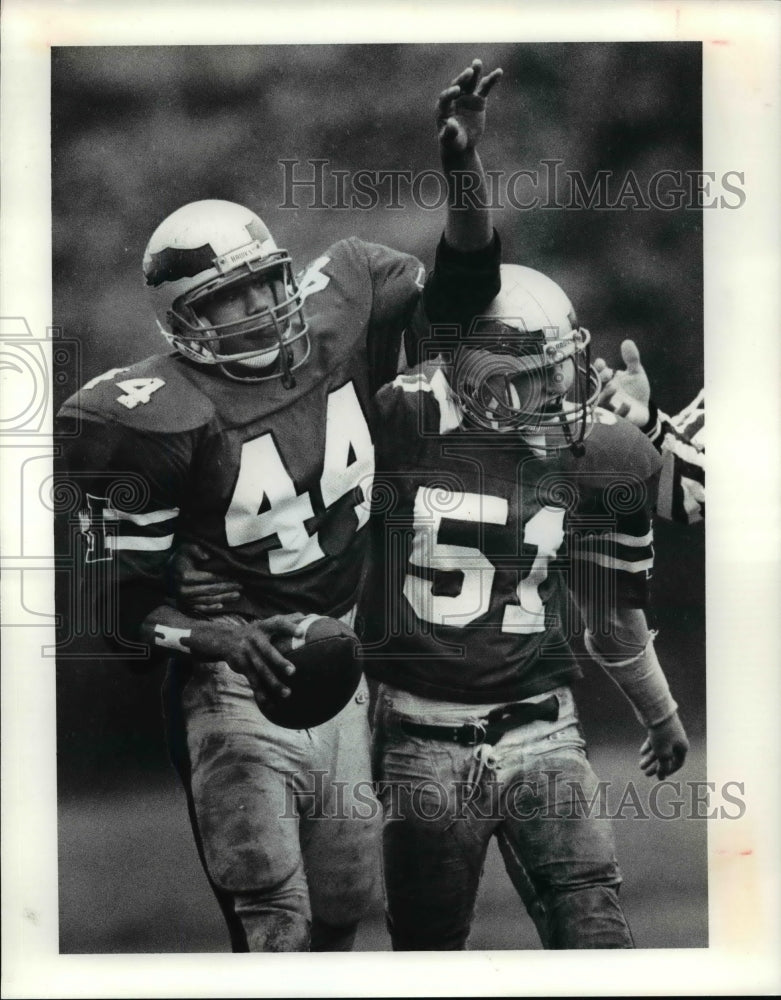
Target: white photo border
741 86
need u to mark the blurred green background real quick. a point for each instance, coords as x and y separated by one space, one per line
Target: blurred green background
136 132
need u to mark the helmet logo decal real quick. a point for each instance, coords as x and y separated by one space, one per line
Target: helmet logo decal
173 263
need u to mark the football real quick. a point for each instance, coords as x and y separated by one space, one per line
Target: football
328 669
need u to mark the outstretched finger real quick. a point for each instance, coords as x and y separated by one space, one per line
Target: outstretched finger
603 370
445 101
265 656
606 394
260 676
265 683
465 81
489 82
477 72
631 357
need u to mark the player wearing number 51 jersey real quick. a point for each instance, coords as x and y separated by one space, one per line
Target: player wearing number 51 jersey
501 491
484 537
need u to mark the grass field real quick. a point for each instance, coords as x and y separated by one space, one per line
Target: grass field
130 879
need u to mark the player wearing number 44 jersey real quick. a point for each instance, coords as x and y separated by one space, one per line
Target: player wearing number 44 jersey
252 441
500 491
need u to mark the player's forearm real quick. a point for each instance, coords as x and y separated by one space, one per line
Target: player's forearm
468 226
167 628
617 633
626 652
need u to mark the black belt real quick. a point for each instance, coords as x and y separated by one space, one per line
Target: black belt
496 723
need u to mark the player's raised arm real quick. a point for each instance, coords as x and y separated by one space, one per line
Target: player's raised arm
461 115
466 274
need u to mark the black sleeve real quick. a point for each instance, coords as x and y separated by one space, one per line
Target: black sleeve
459 287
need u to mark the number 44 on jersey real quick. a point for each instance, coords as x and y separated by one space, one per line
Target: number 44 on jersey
265 484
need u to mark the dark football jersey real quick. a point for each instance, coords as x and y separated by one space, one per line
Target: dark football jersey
273 482
478 541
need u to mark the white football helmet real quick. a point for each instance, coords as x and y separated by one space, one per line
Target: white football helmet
203 248
511 371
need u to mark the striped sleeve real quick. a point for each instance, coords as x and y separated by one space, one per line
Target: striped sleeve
128 486
613 561
611 534
681 441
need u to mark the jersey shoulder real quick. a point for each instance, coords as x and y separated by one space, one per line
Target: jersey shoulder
615 446
159 394
343 262
425 393
355 259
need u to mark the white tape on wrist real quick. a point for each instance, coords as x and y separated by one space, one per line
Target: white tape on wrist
641 679
171 638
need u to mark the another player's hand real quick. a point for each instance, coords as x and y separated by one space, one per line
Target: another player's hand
626 392
249 650
198 591
461 109
664 752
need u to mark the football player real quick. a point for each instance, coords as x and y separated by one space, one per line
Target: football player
504 490
251 439
680 439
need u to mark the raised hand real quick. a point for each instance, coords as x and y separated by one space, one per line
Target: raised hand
626 392
461 109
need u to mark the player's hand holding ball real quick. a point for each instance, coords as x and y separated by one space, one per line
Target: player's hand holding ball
326 655
250 648
302 669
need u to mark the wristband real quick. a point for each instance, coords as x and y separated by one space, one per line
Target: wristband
171 638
